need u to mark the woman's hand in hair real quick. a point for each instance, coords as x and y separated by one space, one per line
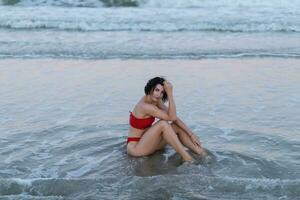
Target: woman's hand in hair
168 87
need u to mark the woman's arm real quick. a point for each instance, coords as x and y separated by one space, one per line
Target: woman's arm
178 121
172 108
188 131
158 113
170 113
182 125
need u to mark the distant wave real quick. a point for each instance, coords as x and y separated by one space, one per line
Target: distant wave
85 25
149 3
73 3
150 19
100 55
146 33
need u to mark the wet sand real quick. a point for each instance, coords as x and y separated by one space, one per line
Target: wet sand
64 123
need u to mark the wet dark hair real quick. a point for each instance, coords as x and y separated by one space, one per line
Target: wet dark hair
150 86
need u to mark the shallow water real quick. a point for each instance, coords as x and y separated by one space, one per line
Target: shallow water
63 128
63 123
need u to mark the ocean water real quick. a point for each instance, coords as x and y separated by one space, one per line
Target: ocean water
64 124
64 103
157 29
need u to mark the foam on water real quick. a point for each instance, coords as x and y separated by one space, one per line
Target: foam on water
152 29
166 20
209 185
188 45
153 3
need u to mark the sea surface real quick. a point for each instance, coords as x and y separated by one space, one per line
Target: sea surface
191 29
64 124
70 71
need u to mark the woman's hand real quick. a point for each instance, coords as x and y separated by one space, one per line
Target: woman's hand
195 140
168 87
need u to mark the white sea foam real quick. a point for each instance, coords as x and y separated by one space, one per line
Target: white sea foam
24 182
158 3
65 3
226 133
97 33
82 170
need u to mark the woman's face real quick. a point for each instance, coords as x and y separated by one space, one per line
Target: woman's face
158 92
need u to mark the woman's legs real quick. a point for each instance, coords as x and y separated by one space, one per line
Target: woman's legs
162 144
151 141
186 140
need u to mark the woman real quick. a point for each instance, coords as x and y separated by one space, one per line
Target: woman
145 138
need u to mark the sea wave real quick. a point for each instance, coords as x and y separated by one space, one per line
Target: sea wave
100 55
207 184
150 3
149 19
91 25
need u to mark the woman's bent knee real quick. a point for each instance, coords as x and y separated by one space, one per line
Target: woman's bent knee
164 124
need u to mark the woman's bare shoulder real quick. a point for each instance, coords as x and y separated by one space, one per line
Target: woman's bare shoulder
144 109
140 109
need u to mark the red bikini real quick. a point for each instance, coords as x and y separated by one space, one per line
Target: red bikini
139 123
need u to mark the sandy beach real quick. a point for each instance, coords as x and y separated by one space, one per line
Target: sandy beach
206 84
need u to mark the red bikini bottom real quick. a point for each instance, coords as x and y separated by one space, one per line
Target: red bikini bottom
135 139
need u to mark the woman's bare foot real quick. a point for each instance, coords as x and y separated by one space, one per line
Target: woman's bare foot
204 153
190 162
201 152
188 158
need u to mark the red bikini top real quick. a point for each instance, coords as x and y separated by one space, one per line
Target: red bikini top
140 123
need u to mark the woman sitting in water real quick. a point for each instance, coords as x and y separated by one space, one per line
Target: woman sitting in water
145 138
